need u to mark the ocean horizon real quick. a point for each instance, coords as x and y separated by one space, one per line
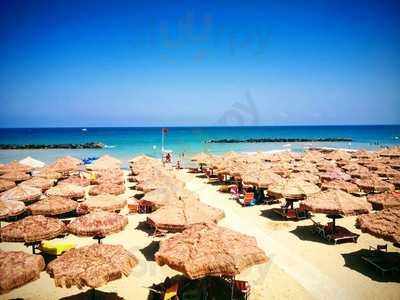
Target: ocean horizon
126 142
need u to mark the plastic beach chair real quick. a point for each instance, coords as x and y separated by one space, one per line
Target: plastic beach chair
171 293
248 199
243 287
55 249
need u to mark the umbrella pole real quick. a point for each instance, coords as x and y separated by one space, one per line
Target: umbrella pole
334 224
93 294
232 286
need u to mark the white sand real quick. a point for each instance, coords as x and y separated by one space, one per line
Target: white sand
298 269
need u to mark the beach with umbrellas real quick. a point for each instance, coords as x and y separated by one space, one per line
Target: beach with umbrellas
320 224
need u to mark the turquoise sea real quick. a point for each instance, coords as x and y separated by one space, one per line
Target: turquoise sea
127 142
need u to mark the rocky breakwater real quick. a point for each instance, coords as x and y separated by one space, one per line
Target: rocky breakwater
90 145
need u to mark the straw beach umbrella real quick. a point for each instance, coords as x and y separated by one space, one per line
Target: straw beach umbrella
76 180
67 190
98 224
309 177
31 162
32 229
65 165
38 182
340 184
338 155
293 189
374 184
383 224
49 174
384 200
23 193
103 202
107 188
14 167
53 205
334 174
17 268
337 202
6 185
15 176
169 196
92 266
261 179
390 152
11 208
209 250
185 212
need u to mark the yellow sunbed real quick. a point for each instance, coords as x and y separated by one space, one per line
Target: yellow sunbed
55 249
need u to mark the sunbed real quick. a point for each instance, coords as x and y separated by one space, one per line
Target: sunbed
382 260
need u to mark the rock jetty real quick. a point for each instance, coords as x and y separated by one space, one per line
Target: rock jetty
90 145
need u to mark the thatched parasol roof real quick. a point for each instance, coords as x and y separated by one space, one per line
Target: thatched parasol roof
53 205
169 196
39 182
383 224
105 162
306 176
109 178
339 184
65 164
92 266
67 190
293 189
6 185
18 268
337 202
385 171
374 184
155 183
32 229
31 162
14 167
98 223
9 208
107 188
15 176
390 152
385 200
49 174
103 202
22 193
76 180
200 157
183 213
338 155
209 250
262 179
333 175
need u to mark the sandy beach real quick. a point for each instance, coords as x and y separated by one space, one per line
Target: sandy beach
300 265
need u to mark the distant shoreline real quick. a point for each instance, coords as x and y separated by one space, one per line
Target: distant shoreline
277 140
91 145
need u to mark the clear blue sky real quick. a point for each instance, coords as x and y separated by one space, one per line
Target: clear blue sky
150 63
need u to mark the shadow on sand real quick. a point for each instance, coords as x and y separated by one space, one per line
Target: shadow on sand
151 249
93 294
270 214
354 261
145 227
305 233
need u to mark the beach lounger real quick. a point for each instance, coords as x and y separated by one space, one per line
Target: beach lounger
301 213
248 200
55 249
243 287
382 260
318 228
234 190
341 234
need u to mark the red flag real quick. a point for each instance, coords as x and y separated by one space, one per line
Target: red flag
165 130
